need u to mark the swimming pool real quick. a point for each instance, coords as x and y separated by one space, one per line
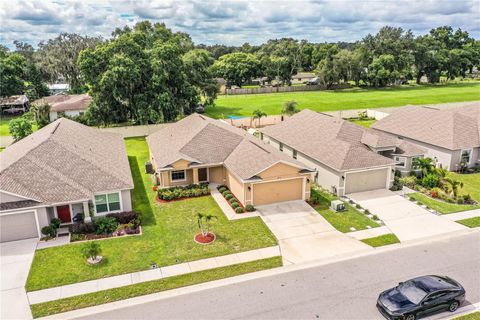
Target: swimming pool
235 117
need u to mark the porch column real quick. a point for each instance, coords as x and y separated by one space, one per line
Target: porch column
86 211
195 175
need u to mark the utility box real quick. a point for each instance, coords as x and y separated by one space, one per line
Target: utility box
337 205
148 167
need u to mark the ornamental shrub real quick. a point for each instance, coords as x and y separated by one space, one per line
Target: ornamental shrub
239 210
235 205
224 193
124 217
222 189
250 208
430 181
87 227
49 231
105 225
55 222
229 196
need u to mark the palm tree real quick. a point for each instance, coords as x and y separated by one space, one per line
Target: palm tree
454 184
290 108
258 114
442 172
204 222
425 164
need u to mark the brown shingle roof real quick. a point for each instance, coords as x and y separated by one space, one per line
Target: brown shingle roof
65 161
61 103
452 129
203 140
13 100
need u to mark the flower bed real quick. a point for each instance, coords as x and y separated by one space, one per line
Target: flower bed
233 201
183 192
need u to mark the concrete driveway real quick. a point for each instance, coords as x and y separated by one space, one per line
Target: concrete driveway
304 235
15 258
404 218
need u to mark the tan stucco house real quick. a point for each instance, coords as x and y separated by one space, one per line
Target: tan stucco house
347 158
449 136
200 149
61 170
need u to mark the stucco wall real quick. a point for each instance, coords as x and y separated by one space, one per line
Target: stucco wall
236 187
42 217
5 197
126 200
216 174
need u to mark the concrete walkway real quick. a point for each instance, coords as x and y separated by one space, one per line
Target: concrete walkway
304 235
406 220
149 275
16 258
462 215
225 206
369 233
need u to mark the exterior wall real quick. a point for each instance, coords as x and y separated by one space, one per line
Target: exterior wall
43 218
279 171
236 187
126 200
6 197
216 174
53 116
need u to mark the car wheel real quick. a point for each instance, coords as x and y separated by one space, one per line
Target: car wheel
453 306
410 317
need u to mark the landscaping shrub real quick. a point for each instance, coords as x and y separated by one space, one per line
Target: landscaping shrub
87 227
229 196
76 237
435 192
460 200
49 231
235 205
375 217
222 189
192 190
55 222
409 181
366 211
124 217
239 210
105 225
250 208
224 193
430 181
358 206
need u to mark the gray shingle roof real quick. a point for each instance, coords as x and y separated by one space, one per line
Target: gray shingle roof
453 129
203 140
60 103
65 161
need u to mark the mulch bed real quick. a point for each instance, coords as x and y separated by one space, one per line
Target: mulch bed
228 201
209 238
157 199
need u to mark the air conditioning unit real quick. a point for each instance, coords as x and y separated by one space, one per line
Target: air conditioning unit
149 167
337 205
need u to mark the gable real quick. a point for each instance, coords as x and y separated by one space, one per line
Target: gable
279 170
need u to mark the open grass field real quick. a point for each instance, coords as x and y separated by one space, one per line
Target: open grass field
356 98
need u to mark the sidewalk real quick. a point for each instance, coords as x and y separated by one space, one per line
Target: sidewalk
149 275
462 215
227 210
369 233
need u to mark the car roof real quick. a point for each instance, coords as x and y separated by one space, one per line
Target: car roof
433 283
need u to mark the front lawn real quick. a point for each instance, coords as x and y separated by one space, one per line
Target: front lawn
470 222
383 240
441 206
111 295
4 121
471 184
344 220
364 123
168 231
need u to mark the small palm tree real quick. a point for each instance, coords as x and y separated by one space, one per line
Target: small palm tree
425 164
258 114
441 172
454 185
204 222
91 250
290 108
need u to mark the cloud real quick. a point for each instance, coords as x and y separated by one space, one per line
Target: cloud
234 22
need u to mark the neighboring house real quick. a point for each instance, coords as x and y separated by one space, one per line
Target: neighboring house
302 77
222 85
58 88
62 170
347 158
200 149
14 104
68 105
450 136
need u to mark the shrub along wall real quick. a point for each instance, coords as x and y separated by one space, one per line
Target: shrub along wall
190 191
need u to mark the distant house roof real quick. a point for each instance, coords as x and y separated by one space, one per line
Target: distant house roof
202 140
61 103
452 129
304 75
59 86
65 161
337 143
14 100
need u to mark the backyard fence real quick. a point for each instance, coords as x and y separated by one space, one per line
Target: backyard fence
283 89
136 131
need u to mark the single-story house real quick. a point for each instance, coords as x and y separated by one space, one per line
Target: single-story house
450 136
70 105
303 77
58 88
347 158
14 104
60 171
200 149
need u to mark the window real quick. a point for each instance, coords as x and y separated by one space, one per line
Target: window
294 154
107 202
178 175
400 162
280 146
466 155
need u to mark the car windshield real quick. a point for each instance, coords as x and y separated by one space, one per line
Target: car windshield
412 292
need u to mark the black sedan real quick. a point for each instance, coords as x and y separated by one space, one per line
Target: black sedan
420 297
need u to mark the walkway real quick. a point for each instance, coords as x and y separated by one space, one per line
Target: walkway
462 215
225 206
149 275
304 235
406 220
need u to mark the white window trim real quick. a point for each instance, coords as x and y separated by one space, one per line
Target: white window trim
397 162
178 180
106 195
470 152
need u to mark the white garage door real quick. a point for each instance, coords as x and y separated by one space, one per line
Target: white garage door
18 226
366 180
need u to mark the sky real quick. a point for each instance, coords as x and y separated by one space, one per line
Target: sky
234 22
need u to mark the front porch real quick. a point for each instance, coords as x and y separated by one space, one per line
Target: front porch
182 177
67 212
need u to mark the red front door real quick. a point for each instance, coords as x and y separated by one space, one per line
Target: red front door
64 214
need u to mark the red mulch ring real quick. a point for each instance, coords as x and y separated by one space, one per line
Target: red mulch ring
179 199
209 238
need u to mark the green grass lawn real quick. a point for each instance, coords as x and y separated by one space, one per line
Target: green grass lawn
471 316
382 240
111 295
441 206
364 123
471 184
4 120
168 231
356 98
342 221
470 222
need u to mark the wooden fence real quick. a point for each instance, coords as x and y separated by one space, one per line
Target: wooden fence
282 89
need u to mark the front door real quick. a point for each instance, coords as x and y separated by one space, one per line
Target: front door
64 214
202 174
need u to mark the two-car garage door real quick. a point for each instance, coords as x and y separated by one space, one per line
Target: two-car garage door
366 180
277 191
18 226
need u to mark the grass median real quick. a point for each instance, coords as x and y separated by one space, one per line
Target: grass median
470 222
382 240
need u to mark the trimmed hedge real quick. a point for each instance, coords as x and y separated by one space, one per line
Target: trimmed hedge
249 208
239 210
192 190
124 217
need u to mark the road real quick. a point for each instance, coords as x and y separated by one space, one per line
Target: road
343 290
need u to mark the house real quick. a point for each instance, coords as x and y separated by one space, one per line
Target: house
14 104
60 171
303 77
450 136
58 88
66 105
200 149
347 158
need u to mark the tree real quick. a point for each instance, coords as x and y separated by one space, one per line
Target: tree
424 164
454 184
381 72
198 63
258 114
204 223
42 114
20 128
290 108
91 250
237 67
277 68
327 72
12 74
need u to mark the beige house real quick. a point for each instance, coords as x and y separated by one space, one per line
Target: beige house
60 171
346 158
200 149
70 105
450 136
